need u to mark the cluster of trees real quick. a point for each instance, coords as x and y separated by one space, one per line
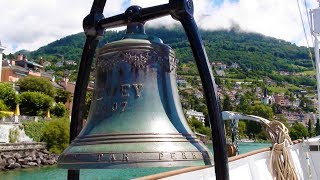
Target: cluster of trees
197 126
54 132
37 96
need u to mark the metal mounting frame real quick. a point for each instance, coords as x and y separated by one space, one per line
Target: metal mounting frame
94 26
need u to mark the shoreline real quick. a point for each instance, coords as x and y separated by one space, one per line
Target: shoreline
24 159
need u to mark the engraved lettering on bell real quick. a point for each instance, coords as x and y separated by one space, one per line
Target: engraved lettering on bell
124 90
173 155
112 158
184 155
160 156
100 156
124 105
125 157
138 89
115 107
194 155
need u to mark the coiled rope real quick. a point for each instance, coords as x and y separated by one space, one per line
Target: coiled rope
281 162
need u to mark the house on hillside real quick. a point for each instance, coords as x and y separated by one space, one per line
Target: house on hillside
70 87
59 64
198 94
70 62
219 65
13 70
220 73
198 115
280 100
235 65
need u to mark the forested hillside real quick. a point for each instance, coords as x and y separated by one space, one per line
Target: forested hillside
250 50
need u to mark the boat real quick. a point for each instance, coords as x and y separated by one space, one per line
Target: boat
303 159
286 159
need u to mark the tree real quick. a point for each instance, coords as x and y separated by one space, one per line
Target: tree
227 104
254 128
34 103
88 100
261 110
317 127
197 126
34 129
298 131
310 129
62 96
56 135
242 128
3 106
243 105
59 110
194 123
37 84
8 95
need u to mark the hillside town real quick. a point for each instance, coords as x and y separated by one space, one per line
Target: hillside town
289 105
297 105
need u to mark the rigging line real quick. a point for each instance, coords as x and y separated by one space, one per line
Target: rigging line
309 22
305 34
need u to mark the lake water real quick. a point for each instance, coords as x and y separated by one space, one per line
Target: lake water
54 173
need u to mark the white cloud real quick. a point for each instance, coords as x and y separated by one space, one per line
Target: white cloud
33 23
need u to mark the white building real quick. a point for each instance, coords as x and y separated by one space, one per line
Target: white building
196 114
235 65
2 48
59 64
198 94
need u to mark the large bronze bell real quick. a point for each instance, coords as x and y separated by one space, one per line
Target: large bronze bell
135 119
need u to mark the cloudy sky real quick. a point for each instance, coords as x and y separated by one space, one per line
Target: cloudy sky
31 24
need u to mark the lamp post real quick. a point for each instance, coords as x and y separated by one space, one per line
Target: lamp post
2 48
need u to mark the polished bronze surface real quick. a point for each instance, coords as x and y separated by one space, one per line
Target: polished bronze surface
135 118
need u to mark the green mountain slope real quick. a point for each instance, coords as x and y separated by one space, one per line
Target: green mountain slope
250 50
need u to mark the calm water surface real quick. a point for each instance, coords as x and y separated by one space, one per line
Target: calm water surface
57 174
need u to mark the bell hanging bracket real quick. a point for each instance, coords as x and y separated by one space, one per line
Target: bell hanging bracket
181 10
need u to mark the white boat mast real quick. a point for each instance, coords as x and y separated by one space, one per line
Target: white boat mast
315 29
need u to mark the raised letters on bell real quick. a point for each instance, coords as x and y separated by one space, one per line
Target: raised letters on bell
173 155
124 105
124 90
100 156
194 155
184 155
112 158
115 107
125 157
138 89
160 156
